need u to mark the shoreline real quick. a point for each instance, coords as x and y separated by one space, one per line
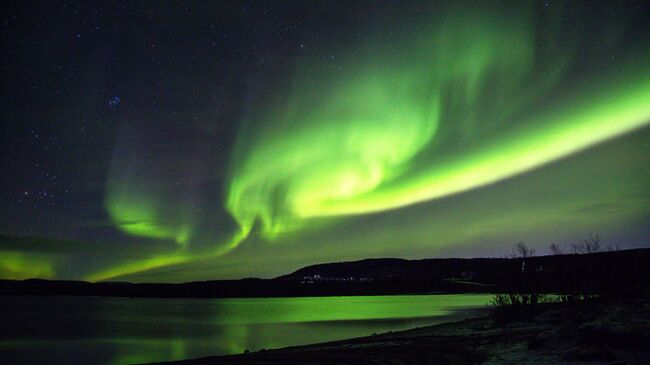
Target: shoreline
609 331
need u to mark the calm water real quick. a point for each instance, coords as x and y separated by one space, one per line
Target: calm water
95 330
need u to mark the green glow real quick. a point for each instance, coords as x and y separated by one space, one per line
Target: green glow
152 330
20 266
165 259
134 266
463 100
143 221
310 309
140 204
470 106
573 126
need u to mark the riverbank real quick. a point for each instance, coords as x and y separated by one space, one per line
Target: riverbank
606 331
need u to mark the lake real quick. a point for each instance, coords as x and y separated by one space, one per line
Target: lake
116 331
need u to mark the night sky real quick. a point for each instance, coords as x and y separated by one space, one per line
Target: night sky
170 141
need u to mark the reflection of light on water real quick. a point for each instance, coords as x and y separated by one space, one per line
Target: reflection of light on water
310 309
141 330
178 349
257 323
137 351
233 339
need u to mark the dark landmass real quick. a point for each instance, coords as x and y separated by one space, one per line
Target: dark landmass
609 330
584 273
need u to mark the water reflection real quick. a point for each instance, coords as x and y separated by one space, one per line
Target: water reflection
94 330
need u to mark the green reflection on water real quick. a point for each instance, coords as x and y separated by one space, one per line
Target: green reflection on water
317 309
118 331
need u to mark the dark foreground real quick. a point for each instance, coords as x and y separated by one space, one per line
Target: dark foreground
605 331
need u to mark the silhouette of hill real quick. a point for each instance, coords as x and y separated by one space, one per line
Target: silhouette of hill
592 273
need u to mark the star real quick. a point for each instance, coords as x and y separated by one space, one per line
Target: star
114 101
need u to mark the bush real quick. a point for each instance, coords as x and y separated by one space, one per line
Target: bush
514 306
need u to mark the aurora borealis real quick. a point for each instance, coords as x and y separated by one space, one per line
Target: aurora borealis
234 140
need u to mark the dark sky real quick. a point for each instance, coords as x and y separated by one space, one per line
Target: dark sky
176 141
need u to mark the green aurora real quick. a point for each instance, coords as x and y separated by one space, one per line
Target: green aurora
369 142
406 146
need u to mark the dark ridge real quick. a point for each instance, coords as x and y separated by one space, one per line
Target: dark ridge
586 273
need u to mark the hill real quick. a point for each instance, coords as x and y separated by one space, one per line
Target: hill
593 273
